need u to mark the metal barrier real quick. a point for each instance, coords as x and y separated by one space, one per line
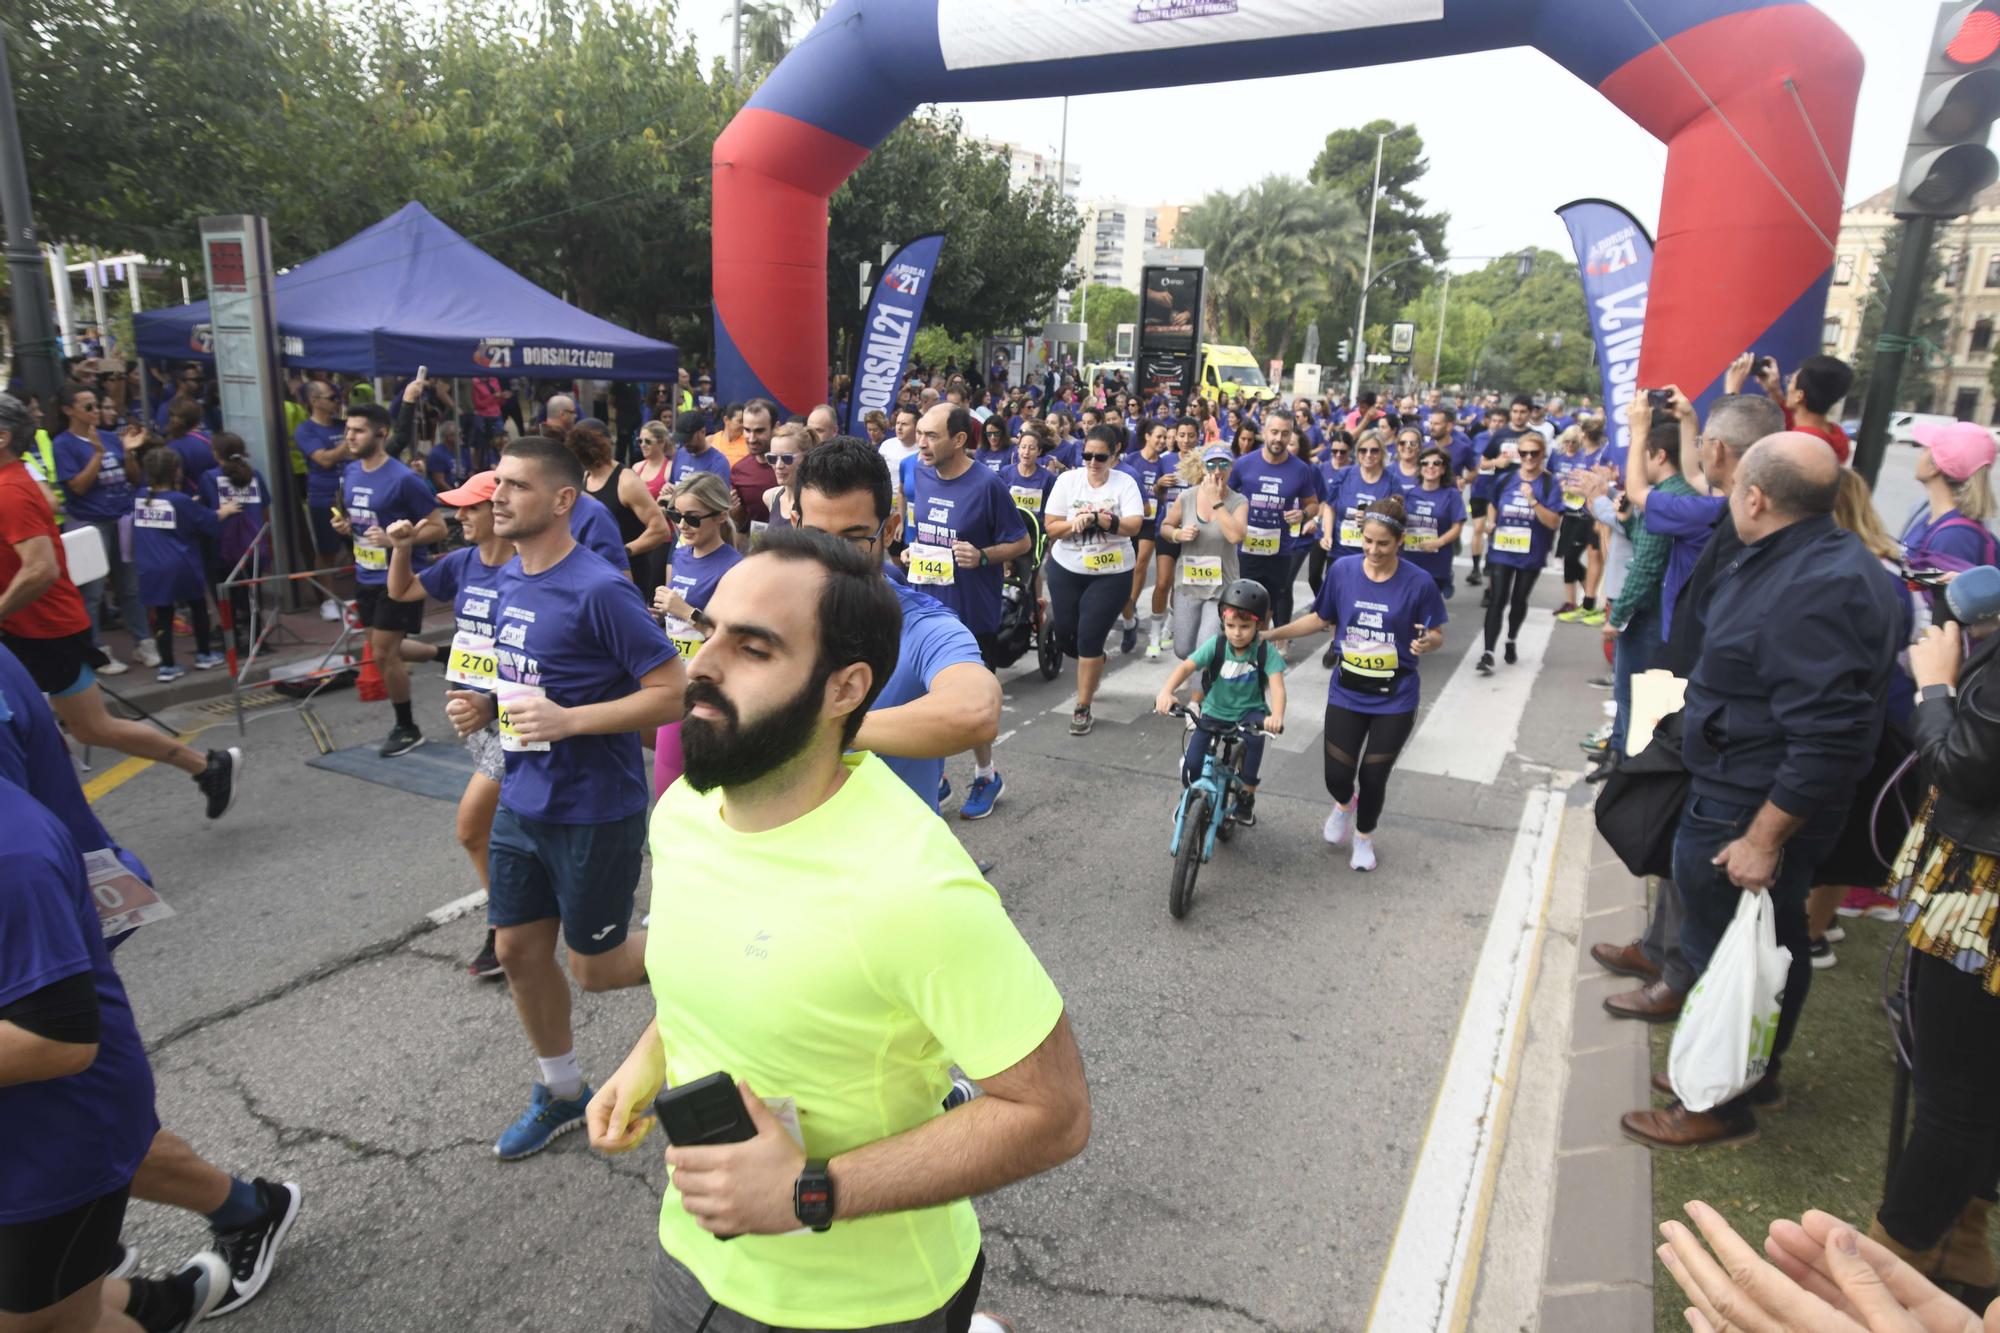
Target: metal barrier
262 626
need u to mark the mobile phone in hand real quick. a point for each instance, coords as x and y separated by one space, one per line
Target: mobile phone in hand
1660 399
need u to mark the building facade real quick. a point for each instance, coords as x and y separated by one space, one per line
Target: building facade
1116 235
1969 281
1028 165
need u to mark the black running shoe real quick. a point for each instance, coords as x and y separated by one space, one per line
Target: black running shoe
251 1252
486 963
1246 809
1473 580
218 780
1486 664
1510 653
401 740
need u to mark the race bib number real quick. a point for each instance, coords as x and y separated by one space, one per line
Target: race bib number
123 899
1030 500
758 528
1262 541
510 739
687 639
1414 537
153 514
1201 571
472 662
1152 507
933 565
1572 502
1350 530
1514 541
1369 657
370 557
1105 562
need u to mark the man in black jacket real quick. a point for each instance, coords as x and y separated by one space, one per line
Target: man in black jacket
1784 710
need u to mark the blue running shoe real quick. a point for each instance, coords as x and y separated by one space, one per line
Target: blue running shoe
208 661
546 1119
980 798
168 673
944 790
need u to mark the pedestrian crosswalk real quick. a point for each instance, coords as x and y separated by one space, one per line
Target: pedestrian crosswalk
1471 723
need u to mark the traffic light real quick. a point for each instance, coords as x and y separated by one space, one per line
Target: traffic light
1948 163
1343 350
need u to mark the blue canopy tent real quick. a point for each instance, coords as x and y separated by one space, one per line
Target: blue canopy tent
409 291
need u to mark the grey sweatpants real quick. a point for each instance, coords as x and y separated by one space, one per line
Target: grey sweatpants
1662 941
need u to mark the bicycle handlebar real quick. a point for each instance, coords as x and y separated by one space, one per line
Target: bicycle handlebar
1247 730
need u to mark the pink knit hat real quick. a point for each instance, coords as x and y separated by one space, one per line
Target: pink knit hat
1959 448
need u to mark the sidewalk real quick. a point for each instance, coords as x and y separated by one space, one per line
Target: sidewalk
300 638
1569 1244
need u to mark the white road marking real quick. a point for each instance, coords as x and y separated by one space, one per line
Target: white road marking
1427 1277
1305 699
1121 685
1001 739
458 907
1474 722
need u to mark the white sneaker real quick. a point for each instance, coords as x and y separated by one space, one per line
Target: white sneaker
330 609
1335 829
1364 853
1835 934
148 653
112 666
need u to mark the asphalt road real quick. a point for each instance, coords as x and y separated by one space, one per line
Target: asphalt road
1262 1073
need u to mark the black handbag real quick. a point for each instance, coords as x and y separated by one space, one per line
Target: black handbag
1639 805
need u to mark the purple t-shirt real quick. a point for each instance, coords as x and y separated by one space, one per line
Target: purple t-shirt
1368 617
1960 542
197 460
72 1139
694 576
1355 494
239 530
1147 474
1427 514
581 633
322 483
1688 519
379 498
1030 493
1519 538
1273 488
976 507
167 528
469 584
110 496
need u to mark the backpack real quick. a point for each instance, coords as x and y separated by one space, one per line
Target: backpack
1639 806
1213 671
1923 557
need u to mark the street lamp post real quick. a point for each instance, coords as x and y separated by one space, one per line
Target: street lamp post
1367 276
34 339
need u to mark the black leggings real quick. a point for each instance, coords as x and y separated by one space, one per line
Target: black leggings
1317 559
1367 744
1954 1148
1511 587
1084 607
1574 540
163 627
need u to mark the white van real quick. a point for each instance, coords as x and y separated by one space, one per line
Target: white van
1903 425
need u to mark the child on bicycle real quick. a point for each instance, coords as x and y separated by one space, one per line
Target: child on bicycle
1242 680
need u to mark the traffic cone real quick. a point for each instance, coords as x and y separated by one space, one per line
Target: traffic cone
370 686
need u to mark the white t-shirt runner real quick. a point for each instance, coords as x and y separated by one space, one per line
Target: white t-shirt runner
1095 552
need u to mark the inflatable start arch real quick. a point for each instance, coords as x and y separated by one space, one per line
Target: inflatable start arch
1748 95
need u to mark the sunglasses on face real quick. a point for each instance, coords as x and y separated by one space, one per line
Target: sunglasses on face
1531 453
1097 458
1219 465
690 518
1365 452
784 460
1433 462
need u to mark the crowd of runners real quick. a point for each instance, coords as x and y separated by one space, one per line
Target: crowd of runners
751 648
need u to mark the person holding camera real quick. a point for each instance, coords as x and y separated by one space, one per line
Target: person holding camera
1939 1199
815 1179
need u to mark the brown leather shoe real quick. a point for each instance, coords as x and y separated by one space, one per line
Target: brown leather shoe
1627 960
1656 1002
1766 1094
1968 1258
1675 1128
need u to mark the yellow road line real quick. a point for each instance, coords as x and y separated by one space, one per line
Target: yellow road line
122 772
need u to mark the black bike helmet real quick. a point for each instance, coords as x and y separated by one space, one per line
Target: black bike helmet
1249 597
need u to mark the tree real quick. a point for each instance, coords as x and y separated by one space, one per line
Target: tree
767 32
1006 251
1104 309
1275 252
1404 229
1918 388
1505 332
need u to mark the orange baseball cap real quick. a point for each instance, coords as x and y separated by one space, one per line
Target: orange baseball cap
478 489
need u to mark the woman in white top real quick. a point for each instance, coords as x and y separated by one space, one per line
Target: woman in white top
1091 514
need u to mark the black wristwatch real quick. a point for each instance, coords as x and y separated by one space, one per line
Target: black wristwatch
812 1196
1927 693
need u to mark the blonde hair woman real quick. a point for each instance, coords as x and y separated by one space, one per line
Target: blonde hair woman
1949 530
700 510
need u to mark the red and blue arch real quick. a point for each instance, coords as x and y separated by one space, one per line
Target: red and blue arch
1740 263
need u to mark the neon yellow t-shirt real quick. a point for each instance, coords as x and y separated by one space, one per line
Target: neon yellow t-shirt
845 960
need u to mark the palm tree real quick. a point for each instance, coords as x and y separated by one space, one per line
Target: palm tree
767 31
1276 253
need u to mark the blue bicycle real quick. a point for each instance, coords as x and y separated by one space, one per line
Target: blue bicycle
1208 807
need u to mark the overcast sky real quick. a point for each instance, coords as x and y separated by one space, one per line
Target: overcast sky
1500 165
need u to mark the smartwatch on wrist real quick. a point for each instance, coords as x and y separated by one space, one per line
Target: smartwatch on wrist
1929 692
812 1195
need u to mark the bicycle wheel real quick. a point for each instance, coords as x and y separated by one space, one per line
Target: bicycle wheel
1187 861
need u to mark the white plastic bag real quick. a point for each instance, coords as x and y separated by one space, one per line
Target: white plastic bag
1730 1021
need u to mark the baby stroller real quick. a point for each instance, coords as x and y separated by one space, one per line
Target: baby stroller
1021 618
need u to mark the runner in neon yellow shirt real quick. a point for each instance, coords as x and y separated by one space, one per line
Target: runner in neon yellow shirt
836 993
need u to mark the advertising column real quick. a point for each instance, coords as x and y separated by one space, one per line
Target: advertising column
243 332
1170 299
